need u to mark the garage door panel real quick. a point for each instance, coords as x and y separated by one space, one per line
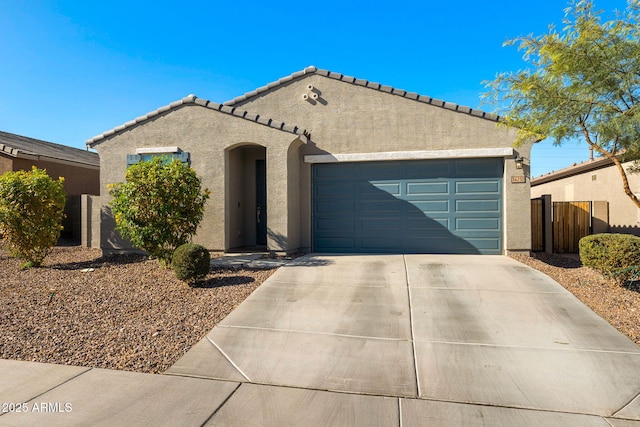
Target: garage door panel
435 245
380 244
337 244
372 171
394 188
431 206
485 244
478 206
475 168
376 207
478 187
381 224
427 188
335 224
336 190
338 171
442 206
428 169
336 208
427 224
477 224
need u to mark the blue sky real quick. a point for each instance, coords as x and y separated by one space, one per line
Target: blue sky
74 69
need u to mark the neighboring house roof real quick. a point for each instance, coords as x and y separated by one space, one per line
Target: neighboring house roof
575 169
192 99
18 146
365 83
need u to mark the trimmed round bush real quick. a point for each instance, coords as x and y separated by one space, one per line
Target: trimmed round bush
191 263
614 255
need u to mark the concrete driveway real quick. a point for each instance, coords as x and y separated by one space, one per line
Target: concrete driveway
417 340
379 340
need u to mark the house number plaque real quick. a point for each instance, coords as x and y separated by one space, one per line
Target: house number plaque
518 179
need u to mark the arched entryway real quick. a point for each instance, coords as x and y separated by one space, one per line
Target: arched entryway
246 198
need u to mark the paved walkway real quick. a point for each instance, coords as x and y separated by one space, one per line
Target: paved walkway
393 340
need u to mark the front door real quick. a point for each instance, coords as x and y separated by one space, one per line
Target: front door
261 202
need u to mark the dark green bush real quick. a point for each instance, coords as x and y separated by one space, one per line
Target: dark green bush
191 263
614 255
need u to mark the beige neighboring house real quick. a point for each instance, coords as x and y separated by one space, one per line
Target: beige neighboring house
319 161
80 169
595 180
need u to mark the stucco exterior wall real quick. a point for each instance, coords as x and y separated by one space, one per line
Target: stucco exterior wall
6 164
347 118
77 180
353 119
601 184
209 136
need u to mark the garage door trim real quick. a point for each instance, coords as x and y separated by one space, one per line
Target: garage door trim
467 153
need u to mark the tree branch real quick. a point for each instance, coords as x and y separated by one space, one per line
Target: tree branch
616 162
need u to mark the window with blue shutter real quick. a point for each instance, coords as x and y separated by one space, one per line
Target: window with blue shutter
183 156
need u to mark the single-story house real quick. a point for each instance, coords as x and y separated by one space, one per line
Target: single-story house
80 169
591 181
319 161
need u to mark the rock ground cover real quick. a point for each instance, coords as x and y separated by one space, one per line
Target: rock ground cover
121 312
126 313
618 305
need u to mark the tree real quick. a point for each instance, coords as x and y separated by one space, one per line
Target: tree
585 83
31 212
159 206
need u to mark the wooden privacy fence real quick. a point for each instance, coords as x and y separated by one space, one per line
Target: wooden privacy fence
537 225
571 222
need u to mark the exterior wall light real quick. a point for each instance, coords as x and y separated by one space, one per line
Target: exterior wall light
519 162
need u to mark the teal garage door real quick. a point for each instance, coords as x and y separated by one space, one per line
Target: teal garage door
421 206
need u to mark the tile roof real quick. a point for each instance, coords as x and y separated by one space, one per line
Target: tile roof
22 146
192 99
575 169
365 83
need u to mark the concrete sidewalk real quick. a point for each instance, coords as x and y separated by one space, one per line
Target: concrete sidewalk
387 340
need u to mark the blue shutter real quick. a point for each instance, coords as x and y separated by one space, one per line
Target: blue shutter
132 159
183 156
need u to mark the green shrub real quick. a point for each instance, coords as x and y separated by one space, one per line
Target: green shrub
191 263
31 212
159 207
614 255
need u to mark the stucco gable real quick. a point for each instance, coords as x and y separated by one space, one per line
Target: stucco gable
194 100
364 83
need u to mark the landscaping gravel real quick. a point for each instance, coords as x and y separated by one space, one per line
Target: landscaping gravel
121 312
617 304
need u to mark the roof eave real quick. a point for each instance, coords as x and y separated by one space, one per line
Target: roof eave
19 154
10 151
194 100
572 171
